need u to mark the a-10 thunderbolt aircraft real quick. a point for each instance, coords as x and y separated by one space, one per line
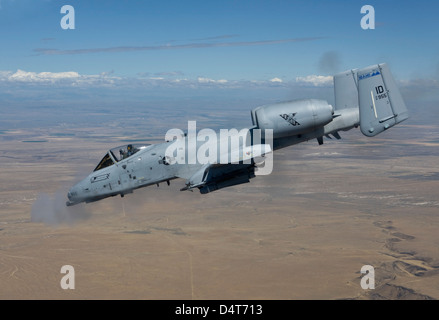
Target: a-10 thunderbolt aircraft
366 97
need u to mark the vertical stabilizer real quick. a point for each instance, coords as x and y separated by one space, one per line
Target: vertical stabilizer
381 104
346 90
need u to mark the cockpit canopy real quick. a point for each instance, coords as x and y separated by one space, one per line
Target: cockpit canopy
119 153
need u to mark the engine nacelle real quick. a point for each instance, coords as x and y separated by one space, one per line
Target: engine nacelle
293 117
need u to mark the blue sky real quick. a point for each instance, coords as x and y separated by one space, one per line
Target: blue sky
196 44
233 40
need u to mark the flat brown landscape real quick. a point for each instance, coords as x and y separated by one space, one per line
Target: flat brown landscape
303 232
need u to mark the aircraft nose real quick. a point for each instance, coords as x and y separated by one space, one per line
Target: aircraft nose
71 195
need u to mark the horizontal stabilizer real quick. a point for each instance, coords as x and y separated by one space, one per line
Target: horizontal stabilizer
381 104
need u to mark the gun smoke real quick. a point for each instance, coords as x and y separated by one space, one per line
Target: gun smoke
52 210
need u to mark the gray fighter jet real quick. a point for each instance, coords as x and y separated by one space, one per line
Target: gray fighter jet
366 97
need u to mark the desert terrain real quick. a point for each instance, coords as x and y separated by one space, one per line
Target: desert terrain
303 232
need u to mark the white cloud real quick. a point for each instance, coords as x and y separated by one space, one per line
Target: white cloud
207 80
4 75
75 79
108 79
276 80
25 76
179 80
318 81
66 78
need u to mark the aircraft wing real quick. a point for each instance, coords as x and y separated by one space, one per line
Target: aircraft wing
213 176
